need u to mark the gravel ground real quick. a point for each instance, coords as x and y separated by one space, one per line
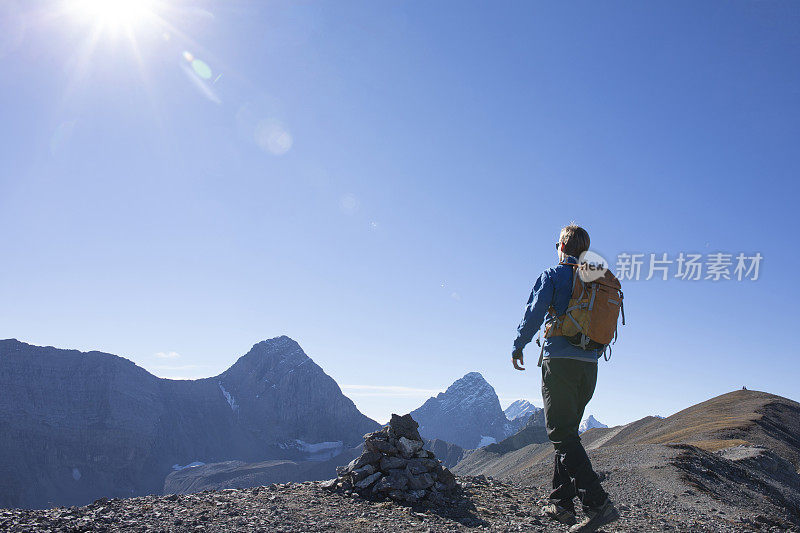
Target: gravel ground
678 487
485 505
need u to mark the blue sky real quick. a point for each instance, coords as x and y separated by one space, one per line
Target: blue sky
383 182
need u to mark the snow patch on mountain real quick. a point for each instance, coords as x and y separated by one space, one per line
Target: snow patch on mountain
590 423
229 397
485 441
176 466
320 451
520 408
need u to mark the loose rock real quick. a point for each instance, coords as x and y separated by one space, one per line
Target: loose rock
394 465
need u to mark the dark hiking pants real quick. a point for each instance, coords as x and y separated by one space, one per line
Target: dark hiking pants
567 386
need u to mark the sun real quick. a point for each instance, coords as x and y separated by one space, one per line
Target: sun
114 13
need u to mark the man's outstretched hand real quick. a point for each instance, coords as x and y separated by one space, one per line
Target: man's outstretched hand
516 359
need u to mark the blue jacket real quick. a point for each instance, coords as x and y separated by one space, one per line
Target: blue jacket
553 288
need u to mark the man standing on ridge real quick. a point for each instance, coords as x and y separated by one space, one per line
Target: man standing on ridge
569 376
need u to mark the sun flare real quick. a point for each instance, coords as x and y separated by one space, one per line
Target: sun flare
114 12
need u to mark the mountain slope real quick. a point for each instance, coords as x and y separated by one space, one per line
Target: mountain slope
726 452
449 454
509 455
77 426
737 418
467 414
237 474
281 395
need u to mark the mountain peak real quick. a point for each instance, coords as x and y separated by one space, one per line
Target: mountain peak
278 351
281 342
471 379
590 423
519 409
466 414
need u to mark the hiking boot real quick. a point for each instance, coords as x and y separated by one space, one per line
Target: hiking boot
596 517
558 513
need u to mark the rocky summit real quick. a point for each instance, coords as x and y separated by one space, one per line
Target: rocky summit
395 465
468 414
591 423
520 409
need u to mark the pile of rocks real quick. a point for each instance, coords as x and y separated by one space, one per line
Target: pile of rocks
395 465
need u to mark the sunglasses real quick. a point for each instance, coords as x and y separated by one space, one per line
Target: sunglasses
558 246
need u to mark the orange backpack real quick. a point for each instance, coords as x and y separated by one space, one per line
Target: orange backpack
590 321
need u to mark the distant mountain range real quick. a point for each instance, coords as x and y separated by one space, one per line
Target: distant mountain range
75 427
466 416
535 415
78 426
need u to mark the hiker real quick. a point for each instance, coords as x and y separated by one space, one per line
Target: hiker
569 375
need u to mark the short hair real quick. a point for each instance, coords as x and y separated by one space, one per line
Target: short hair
575 239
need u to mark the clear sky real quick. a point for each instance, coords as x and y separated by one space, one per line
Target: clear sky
383 182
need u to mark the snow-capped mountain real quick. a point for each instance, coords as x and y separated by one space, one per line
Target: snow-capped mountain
468 414
590 423
520 408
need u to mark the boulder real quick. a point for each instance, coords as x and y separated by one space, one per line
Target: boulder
447 478
397 480
408 447
420 482
380 434
389 462
363 459
369 480
414 495
380 446
404 426
361 473
418 466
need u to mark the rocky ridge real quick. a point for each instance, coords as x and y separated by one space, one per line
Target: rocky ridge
485 504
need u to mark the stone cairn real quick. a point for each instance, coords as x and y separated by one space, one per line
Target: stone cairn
394 465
